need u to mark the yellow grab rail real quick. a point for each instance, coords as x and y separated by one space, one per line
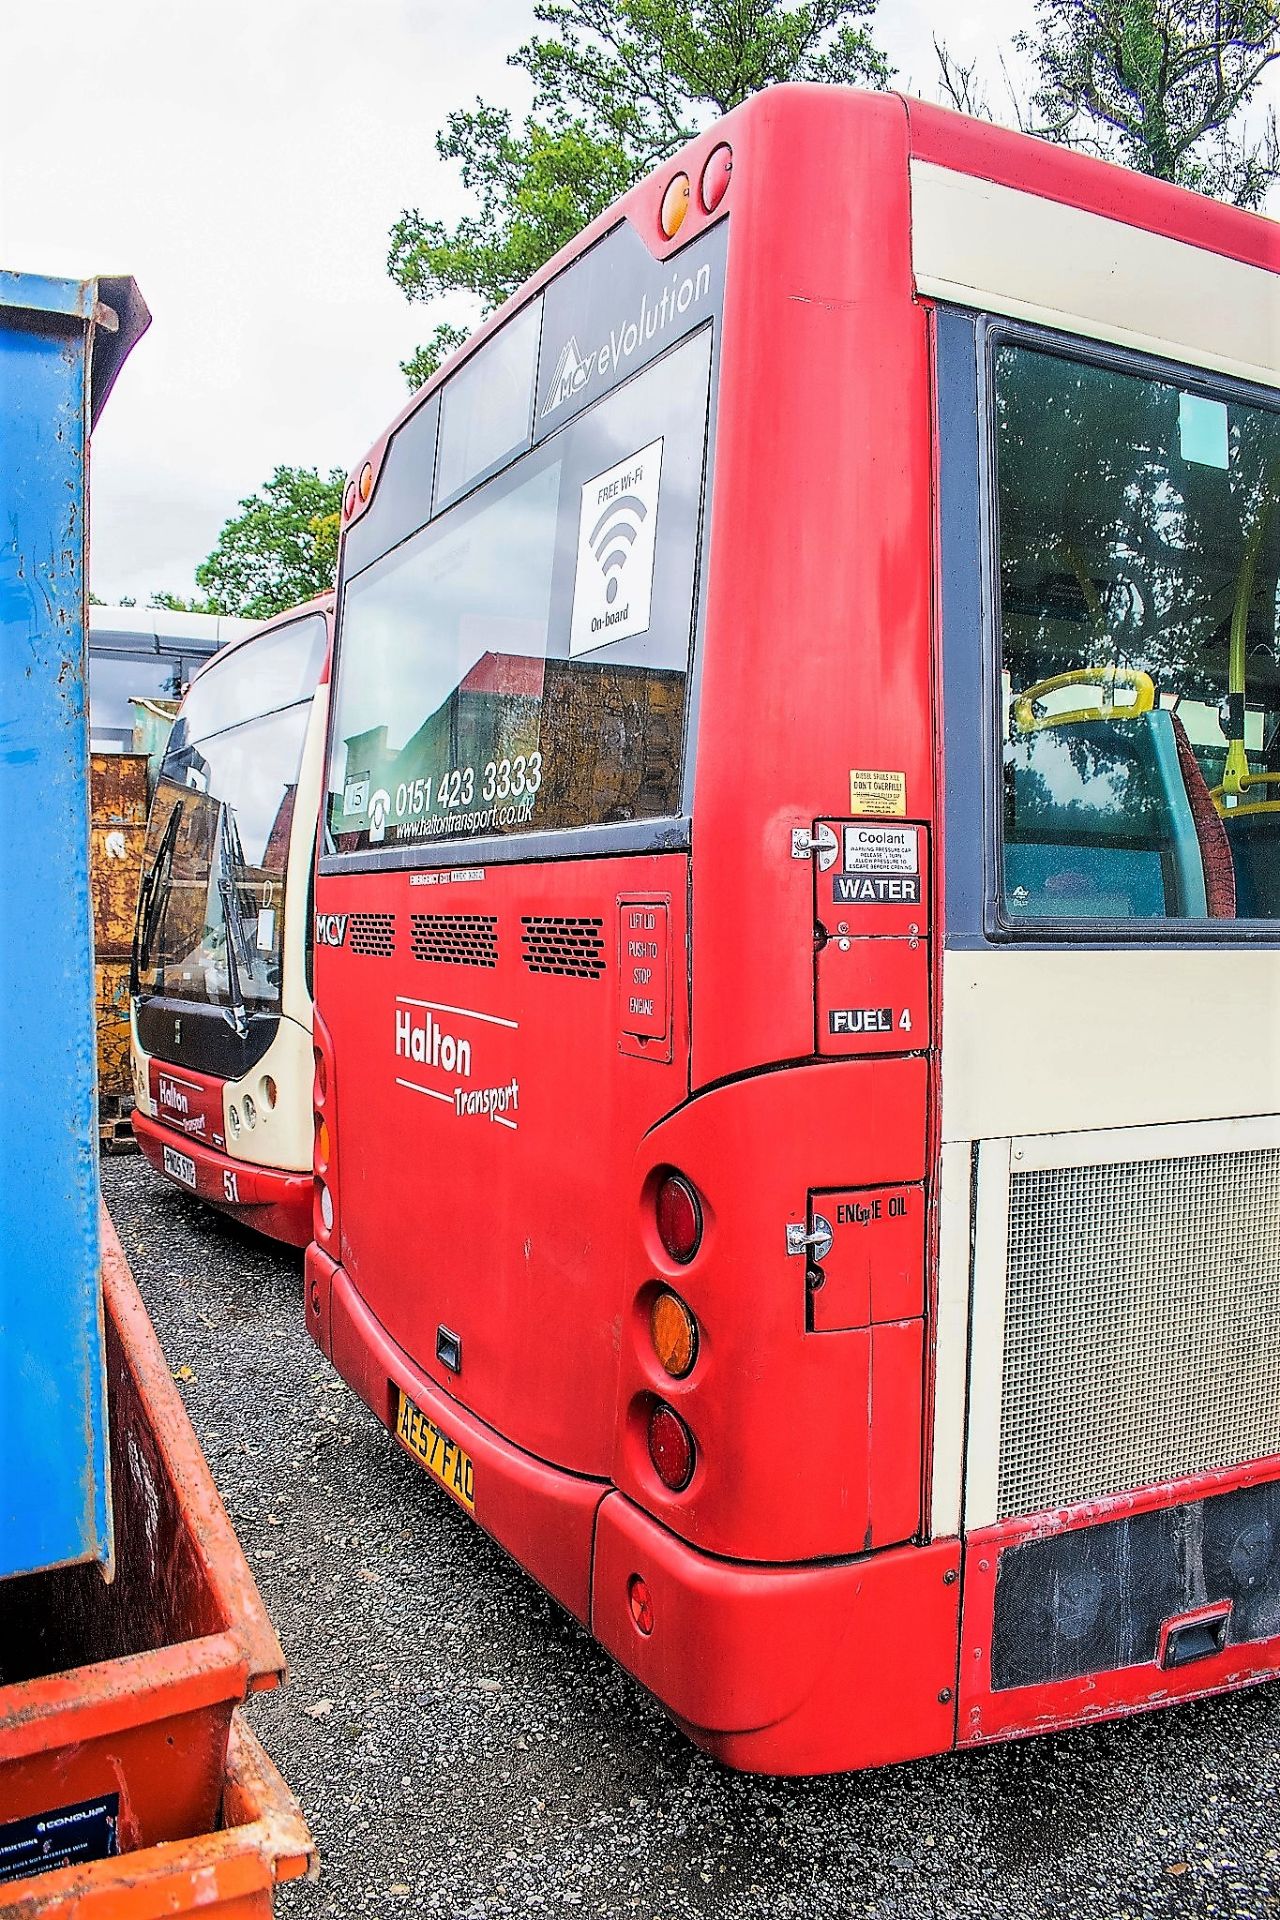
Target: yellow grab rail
1236 790
1025 720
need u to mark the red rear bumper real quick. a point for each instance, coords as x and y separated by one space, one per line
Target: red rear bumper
805 1669
265 1198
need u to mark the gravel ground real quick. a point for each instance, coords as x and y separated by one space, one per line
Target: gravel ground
462 1748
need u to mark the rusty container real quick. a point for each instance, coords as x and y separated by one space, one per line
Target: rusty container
118 829
152 724
124 1692
117 834
261 1840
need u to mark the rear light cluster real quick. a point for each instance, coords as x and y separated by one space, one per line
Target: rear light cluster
358 490
677 196
673 1329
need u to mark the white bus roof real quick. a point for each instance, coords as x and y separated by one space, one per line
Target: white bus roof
156 629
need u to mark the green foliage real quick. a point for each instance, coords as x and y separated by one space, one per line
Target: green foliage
1157 85
618 85
648 74
174 603
535 190
281 548
421 364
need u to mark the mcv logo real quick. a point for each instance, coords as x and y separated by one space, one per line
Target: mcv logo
331 929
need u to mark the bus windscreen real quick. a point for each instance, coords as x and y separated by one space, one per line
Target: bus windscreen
211 919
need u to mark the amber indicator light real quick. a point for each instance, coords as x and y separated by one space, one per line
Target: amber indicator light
675 205
674 1333
322 1143
366 481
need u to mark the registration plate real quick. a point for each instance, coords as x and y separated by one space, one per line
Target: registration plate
442 1457
181 1166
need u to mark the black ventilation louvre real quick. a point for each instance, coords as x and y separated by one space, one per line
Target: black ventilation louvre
456 939
560 943
373 934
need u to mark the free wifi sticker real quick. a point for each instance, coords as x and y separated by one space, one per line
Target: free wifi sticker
613 583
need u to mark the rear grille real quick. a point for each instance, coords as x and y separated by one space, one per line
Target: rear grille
1142 1325
556 943
373 933
456 939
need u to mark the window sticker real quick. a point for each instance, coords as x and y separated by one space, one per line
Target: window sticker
1202 430
877 791
613 582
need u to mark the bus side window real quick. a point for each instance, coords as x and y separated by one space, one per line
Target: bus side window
1139 648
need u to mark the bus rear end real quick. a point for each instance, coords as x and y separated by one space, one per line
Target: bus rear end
775 831
222 960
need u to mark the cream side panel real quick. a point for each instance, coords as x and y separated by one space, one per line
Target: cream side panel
138 1061
951 1340
1073 1041
282 1135
992 247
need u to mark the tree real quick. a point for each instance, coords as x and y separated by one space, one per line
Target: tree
174 603
618 86
1158 85
281 548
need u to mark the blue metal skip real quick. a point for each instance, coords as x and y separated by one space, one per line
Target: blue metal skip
61 344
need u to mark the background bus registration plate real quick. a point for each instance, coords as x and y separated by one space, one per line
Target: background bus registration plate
442 1457
181 1166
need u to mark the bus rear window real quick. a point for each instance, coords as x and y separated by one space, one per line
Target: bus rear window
521 663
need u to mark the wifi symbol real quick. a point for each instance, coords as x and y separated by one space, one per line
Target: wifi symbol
613 537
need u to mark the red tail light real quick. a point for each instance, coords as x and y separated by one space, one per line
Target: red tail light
671 1448
679 1218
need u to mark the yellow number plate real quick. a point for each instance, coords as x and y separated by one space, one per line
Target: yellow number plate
442 1457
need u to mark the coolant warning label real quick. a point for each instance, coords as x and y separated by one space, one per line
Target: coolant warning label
881 867
63 1837
613 581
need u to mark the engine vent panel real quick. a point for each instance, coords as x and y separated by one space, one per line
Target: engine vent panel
456 939
373 934
564 944
1142 1325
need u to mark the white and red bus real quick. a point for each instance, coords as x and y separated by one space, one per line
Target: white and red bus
222 949
798 1044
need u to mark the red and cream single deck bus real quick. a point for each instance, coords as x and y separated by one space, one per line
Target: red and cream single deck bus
798 1028
222 1058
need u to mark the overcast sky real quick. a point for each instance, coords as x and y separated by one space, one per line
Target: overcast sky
244 161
